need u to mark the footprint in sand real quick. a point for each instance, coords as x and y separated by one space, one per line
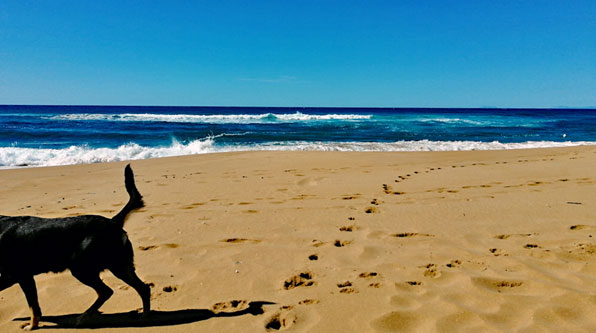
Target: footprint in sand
582 227
413 283
193 205
309 302
388 190
432 271
581 252
169 289
370 275
348 291
532 246
454 263
152 247
412 234
240 240
339 243
496 285
536 183
346 288
231 305
367 275
370 210
497 252
506 236
303 197
300 280
281 320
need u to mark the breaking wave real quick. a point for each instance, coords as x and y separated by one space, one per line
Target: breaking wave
11 157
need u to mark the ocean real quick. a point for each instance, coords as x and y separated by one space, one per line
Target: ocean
62 135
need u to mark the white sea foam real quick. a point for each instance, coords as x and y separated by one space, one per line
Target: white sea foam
11 157
14 156
422 145
482 121
210 119
452 121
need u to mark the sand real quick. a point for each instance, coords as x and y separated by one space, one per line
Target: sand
486 241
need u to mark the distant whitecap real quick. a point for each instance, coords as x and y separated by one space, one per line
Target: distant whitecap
208 119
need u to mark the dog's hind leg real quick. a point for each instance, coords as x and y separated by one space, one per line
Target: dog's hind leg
93 280
127 274
30 290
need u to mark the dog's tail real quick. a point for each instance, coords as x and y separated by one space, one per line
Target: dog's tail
135 201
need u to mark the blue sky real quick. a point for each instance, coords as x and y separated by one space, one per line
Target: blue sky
299 53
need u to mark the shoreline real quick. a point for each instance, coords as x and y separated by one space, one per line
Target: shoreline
338 241
560 145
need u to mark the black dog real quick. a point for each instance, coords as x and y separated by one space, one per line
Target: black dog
86 245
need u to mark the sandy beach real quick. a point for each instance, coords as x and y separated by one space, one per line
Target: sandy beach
492 241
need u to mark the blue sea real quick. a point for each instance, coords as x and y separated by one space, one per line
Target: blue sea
60 135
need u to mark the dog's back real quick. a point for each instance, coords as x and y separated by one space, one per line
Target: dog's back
32 245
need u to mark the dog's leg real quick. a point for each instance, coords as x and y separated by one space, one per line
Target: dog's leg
93 280
28 286
128 275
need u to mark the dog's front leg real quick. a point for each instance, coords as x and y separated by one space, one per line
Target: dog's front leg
28 286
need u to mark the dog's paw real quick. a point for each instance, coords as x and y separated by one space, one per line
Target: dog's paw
145 315
29 327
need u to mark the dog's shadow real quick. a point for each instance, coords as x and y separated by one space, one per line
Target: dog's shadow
135 319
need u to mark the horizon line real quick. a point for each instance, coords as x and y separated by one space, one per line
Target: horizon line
313 107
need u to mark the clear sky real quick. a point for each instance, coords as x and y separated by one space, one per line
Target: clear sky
299 53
